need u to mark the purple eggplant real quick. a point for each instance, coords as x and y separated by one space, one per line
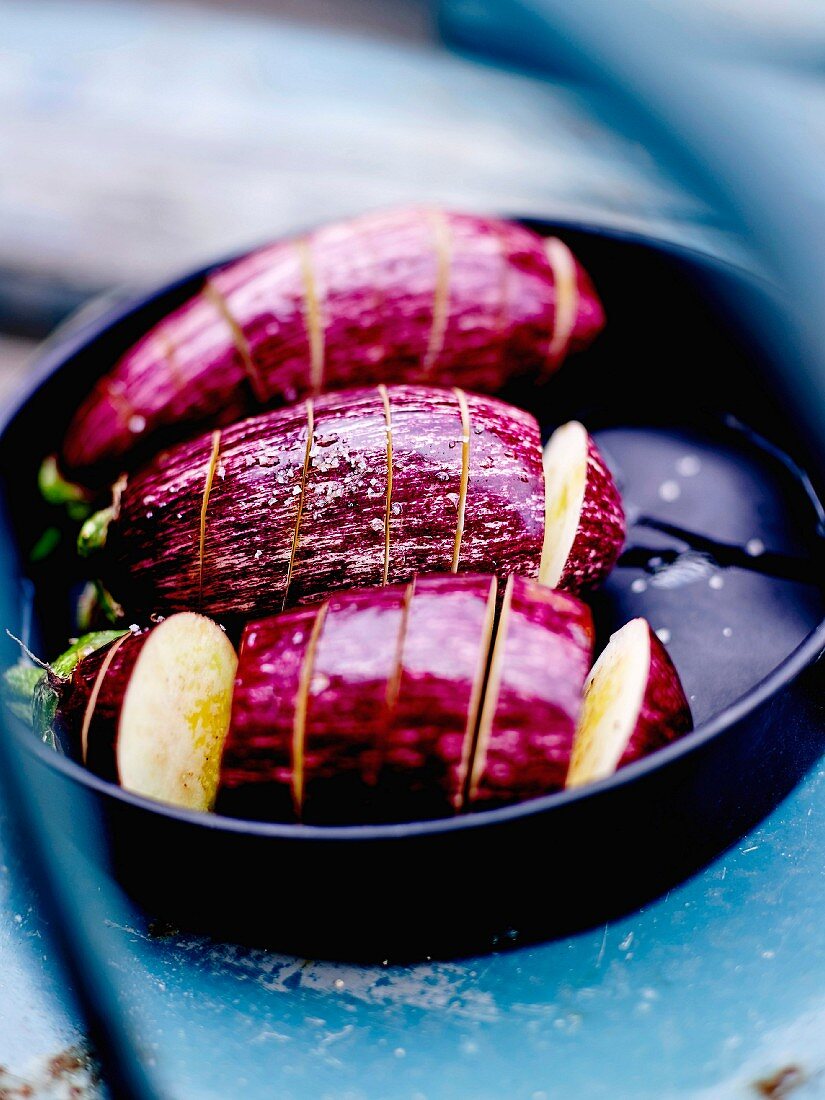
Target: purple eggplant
584 529
257 777
351 489
410 295
348 706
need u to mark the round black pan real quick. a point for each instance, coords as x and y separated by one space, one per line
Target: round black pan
724 556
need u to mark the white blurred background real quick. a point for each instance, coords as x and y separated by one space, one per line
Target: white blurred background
140 138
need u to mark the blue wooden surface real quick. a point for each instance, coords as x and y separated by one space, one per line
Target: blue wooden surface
706 991
39 1020
709 989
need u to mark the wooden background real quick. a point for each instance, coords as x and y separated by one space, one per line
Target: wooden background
138 139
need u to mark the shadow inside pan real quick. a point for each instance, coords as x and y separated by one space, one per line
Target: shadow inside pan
723 555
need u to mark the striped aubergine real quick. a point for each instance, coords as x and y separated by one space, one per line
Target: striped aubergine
370 711
356 488
401 703
406 295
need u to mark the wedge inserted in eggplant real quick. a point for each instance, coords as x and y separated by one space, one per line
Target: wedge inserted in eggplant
584 527
443 658
252 518
249 513
150 709
274 663
634 704
541 656
341 538
503 516
349 700
426 436
409 295
175 712
183 527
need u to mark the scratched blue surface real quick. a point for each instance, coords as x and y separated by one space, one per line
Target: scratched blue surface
705 991
38 1018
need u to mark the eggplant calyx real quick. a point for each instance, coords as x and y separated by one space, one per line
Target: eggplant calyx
56 489
95 530
43 711
31 689
46 692
107 603
93 533
20 681
19 685
67 662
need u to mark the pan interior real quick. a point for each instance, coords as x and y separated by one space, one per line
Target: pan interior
721 557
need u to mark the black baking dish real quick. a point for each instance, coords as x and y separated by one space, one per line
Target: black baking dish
724 557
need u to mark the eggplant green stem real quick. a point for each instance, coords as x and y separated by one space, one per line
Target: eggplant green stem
67 662
30 690
46 696
55 489
107 603
95 530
